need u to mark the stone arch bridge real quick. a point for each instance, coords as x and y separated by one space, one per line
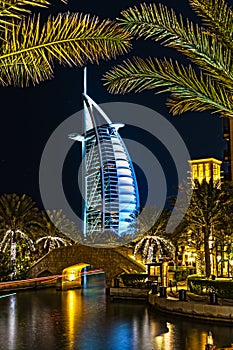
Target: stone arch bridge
114 261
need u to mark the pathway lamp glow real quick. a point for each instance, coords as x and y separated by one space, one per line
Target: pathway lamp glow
210 342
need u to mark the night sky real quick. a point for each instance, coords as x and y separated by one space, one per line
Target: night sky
30 115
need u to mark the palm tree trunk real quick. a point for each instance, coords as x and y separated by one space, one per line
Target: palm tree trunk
198 261
13 253
176 257
207 251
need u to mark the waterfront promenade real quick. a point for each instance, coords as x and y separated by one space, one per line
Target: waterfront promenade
179 301
194 306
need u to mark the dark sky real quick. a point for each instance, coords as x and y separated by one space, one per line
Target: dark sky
30 115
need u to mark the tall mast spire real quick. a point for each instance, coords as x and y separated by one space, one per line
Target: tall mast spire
85 81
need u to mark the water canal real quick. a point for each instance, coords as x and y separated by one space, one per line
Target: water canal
87 320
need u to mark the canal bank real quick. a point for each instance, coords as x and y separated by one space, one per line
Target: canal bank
194 306
180 303
34 283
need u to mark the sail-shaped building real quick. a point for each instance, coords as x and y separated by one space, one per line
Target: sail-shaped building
110 190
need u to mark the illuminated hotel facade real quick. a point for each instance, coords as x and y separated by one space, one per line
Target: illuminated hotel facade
206 168
110 190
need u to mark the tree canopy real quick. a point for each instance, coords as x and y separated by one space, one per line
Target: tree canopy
30 46
204 84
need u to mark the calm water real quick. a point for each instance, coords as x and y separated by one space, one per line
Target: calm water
87 320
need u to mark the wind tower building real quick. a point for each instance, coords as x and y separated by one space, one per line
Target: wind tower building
110 190
206 168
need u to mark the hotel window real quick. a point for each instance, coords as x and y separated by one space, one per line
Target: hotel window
207 172
216 172
194 170
200 172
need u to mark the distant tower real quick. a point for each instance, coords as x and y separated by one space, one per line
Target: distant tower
206 168
110 186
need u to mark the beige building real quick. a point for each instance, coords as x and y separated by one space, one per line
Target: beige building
206 168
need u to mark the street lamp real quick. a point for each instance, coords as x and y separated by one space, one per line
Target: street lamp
210 342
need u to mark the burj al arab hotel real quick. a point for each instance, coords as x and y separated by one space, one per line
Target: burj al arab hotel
110 190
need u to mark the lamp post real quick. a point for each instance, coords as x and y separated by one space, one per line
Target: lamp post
210 342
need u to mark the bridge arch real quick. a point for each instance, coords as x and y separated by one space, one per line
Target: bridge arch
113 261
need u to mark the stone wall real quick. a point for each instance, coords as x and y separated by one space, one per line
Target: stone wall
113 261
192 309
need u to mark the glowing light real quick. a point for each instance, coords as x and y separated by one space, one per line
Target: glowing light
7 295
71 276
210 340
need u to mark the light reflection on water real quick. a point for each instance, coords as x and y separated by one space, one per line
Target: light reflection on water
87 320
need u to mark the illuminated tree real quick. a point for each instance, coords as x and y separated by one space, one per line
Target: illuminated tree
57 231
30 46
209 212
208 47
152 245
19 220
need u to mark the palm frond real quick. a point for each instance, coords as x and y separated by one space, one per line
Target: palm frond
18 213
218 17
16 9
189 91
209 205
161 24
30 49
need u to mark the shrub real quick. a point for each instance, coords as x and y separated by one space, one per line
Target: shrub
134 279
200 285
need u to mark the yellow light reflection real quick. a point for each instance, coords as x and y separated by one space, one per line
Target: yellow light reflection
73 307
165 341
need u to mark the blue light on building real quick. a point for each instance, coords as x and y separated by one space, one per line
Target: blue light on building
109 183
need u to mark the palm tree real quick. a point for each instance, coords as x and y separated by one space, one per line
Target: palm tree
205 84
152 247
30 46
152 220
19 220
208 214
57 230
51 242
152 243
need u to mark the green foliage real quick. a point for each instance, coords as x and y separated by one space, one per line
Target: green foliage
21 223
210 204
5 267
151 246
209 213
208 47
30 46
18 212
17 9
181 275
134 279
200 285
151 242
